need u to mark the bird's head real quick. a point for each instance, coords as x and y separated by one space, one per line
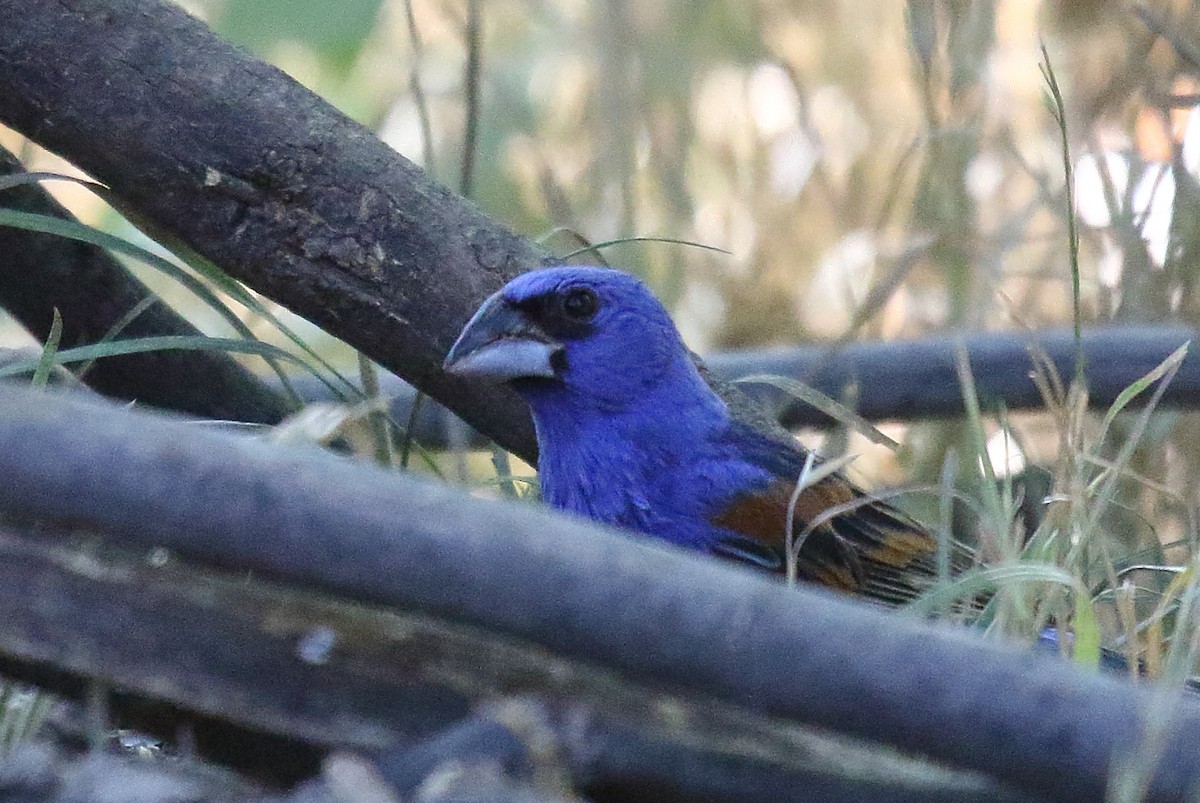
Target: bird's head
595 335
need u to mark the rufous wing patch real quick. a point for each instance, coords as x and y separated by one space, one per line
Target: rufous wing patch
763 515
871 548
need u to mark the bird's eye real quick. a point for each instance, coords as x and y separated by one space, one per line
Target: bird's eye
580 304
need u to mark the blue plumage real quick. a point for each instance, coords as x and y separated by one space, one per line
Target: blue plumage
631 434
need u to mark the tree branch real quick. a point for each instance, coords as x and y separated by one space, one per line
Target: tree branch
266 678
651 613
902 381
93 292
910 379
268 181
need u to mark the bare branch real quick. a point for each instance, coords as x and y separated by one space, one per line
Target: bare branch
266 180
649 613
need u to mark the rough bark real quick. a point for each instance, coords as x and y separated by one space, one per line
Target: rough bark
267 678
649 613
268 181
92 292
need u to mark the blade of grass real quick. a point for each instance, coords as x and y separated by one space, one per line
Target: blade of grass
789 528
103 192
407 443
1058 110
164 343
609 243
129 317
946 514
966 380
22 179
504 475
975 582
239 293
46 362
1086 628
830 407
72 230
378 421
1171 366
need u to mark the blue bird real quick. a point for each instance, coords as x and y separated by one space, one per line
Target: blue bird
631 434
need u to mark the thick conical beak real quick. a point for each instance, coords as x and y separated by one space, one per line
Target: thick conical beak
500 343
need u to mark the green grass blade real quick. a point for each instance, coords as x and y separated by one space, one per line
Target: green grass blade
131 315
974 582
830 407
609 243
1169 365
72 230
22 179
1087 630
237 291
46 362
165 343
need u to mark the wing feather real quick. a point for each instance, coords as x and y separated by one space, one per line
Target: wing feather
870 548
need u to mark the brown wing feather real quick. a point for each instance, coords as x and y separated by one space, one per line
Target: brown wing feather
872 549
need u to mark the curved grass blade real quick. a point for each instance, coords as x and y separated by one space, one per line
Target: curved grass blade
129 317
205 268
238 292
608 243
21 179
830 407
167 343
46 362
73 230
974 582
1169 365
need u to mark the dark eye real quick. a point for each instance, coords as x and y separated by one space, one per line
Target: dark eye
580 304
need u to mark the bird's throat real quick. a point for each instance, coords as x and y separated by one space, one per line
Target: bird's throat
613 466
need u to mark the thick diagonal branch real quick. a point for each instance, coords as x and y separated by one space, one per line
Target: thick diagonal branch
93 292
265 179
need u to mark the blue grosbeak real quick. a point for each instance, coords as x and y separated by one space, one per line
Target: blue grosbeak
630 433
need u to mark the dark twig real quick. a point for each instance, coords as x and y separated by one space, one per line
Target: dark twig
474 38
418 91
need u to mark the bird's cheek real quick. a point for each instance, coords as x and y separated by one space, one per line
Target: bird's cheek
621 353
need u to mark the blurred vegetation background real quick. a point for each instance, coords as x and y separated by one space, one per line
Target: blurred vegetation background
830 147
870 169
